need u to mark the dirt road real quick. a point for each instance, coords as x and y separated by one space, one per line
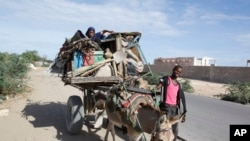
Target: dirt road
40 115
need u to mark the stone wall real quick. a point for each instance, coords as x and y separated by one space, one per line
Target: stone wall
209 73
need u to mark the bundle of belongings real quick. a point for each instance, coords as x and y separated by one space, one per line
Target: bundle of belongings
80 56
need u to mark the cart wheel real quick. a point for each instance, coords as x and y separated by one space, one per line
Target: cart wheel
74 115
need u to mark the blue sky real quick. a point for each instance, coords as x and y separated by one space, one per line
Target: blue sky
219 29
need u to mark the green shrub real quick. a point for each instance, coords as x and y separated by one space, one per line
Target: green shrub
31 56
186 86
152 79
237 92
13 73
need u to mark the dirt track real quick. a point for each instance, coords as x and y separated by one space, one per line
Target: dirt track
40 115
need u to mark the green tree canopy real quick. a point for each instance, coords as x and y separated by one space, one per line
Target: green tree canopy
30 56
13 73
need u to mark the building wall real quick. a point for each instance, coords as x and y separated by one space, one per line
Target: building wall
184 61
208 73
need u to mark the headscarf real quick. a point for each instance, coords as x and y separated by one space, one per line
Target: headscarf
89 29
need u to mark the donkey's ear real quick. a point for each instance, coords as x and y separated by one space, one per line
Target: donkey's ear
176 119
162 119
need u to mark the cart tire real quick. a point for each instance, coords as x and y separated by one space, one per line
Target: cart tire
74 115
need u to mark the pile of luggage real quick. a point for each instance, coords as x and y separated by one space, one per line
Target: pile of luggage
117 55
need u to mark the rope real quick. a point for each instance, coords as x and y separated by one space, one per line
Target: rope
137 121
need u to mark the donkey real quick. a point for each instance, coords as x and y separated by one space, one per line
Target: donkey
163 128
140 115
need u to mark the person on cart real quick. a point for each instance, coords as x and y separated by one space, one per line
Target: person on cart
97 36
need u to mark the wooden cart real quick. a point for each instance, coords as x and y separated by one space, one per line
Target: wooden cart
119 55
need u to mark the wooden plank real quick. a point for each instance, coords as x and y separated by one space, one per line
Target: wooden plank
114 67
92 70
107 40
81 80
138 90
83 69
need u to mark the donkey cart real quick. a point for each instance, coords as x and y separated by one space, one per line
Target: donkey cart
96 67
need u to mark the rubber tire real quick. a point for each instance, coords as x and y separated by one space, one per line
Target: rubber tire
74 115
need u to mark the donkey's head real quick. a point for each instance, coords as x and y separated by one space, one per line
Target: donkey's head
142 83
163 128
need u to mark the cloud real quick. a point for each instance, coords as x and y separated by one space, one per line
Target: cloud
244 39
147 16
44 24
196 13
223 17
190 15
33 24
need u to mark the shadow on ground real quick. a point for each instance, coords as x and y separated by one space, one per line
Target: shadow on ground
53 114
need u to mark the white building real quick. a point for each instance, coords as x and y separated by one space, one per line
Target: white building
186 61
204 61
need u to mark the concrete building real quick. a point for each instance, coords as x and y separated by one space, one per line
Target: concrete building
186 61
204 61
248 63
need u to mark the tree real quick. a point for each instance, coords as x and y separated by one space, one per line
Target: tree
30 56
13 73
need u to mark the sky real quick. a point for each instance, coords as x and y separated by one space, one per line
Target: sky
219 29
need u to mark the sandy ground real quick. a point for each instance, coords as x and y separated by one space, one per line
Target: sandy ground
40 114
209 89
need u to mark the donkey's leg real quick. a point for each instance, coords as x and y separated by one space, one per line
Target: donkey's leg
107 131
110 128
133 134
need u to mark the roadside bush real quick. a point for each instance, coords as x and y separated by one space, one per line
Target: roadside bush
13 74
237 92
186 86
31 56
152 79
